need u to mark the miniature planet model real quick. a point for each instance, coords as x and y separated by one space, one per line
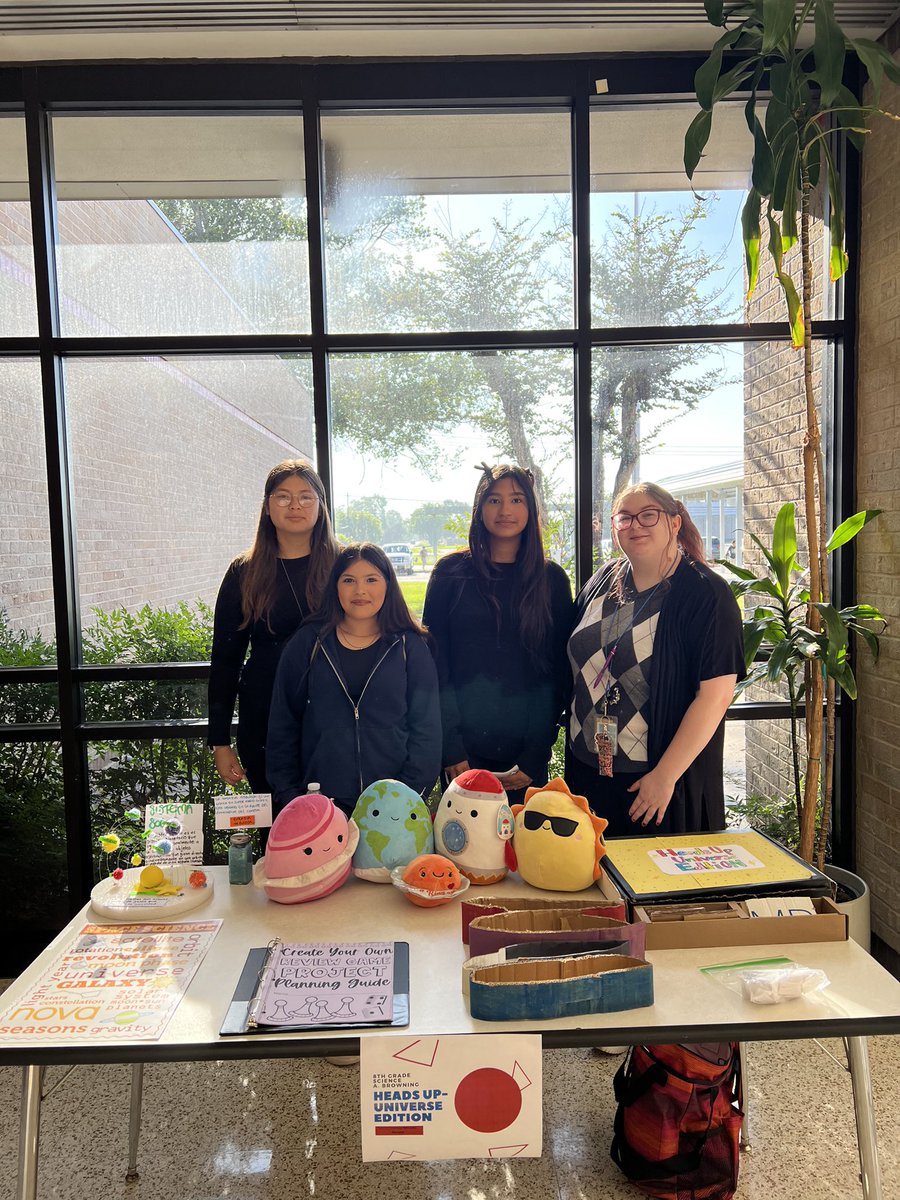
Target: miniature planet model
430 880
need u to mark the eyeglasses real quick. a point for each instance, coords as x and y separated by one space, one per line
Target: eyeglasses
285 499
561 826
646 518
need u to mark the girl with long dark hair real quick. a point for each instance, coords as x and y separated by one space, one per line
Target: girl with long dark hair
656 652
356 694
500 613
264 597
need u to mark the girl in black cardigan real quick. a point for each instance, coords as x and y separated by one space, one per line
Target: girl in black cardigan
656 652
500 614
265 595
356 695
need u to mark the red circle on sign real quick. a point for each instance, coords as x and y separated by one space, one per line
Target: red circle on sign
488 1100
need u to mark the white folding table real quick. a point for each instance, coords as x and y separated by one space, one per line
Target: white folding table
862 1000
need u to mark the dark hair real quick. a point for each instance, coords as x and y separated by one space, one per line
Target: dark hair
261 560
688 537
531 610
394 615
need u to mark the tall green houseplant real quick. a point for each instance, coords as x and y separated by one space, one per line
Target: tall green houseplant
790 59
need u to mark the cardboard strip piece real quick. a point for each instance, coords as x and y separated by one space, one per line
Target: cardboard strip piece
487 934
531 950
486 906
540 989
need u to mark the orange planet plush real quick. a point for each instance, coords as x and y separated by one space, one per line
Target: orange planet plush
431 873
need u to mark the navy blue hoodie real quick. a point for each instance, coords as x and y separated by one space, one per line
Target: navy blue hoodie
317 734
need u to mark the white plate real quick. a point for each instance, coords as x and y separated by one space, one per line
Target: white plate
115 900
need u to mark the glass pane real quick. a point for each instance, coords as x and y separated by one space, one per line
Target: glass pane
410 429
759 780
719 426
26 586
169 460
18 314
181 225
33 870
663 253
448 221
127 775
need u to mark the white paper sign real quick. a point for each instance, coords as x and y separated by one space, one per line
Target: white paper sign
704 860
244 812
461 1096
178 827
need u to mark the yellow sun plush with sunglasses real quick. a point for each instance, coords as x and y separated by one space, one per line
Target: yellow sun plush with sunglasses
558 842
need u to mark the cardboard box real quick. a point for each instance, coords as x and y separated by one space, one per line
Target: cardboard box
737 929
490 933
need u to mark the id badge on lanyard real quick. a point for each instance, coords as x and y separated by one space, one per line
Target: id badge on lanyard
606 741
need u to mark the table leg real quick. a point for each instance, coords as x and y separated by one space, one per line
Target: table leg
29 1132
745 1096
858 1054
134 1120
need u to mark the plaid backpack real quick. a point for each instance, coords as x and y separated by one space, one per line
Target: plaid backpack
678 1123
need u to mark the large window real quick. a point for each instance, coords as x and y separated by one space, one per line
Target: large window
420 273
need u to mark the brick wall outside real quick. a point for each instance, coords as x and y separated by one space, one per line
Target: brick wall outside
878 548
169 455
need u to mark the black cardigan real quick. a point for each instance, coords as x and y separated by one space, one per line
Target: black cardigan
698 636
318 735
495 705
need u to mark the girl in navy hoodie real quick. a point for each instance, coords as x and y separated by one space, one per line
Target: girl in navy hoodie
356 693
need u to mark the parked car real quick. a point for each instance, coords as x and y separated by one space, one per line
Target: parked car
400 557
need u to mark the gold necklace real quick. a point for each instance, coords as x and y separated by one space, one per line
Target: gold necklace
365 639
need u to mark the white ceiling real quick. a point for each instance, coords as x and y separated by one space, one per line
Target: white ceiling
41 30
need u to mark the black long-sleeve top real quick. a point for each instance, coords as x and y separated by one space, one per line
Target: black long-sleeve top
495 704
229 675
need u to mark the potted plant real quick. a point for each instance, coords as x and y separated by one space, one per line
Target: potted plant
778 622
808 111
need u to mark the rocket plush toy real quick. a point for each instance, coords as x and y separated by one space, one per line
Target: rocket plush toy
394 828
309 851
558 841
472 825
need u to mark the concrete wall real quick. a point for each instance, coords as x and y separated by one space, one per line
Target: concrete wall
878 548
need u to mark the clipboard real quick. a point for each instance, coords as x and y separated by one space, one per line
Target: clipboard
238 1019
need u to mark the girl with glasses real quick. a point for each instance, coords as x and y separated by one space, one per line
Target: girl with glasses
656 652
500 613
356 694
264 597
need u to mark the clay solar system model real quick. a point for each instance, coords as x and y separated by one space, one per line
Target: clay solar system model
309 851
558 841
472 825
394 827
429 880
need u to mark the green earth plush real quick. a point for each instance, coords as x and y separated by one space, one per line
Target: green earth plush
394 828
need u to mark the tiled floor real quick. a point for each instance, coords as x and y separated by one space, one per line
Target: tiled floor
281 1130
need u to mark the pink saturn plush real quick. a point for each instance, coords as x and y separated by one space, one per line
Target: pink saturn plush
309 851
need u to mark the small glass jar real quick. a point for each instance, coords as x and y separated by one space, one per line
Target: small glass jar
240 858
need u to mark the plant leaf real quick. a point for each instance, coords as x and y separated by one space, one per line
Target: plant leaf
714 11
877 61
778 18
784 545
707 74
861 612
838 261
847 530
763 173
750 226
778 660
795 309
741 572
695 141
871 640
829 51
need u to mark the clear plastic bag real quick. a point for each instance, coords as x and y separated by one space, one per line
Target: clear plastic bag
768 980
